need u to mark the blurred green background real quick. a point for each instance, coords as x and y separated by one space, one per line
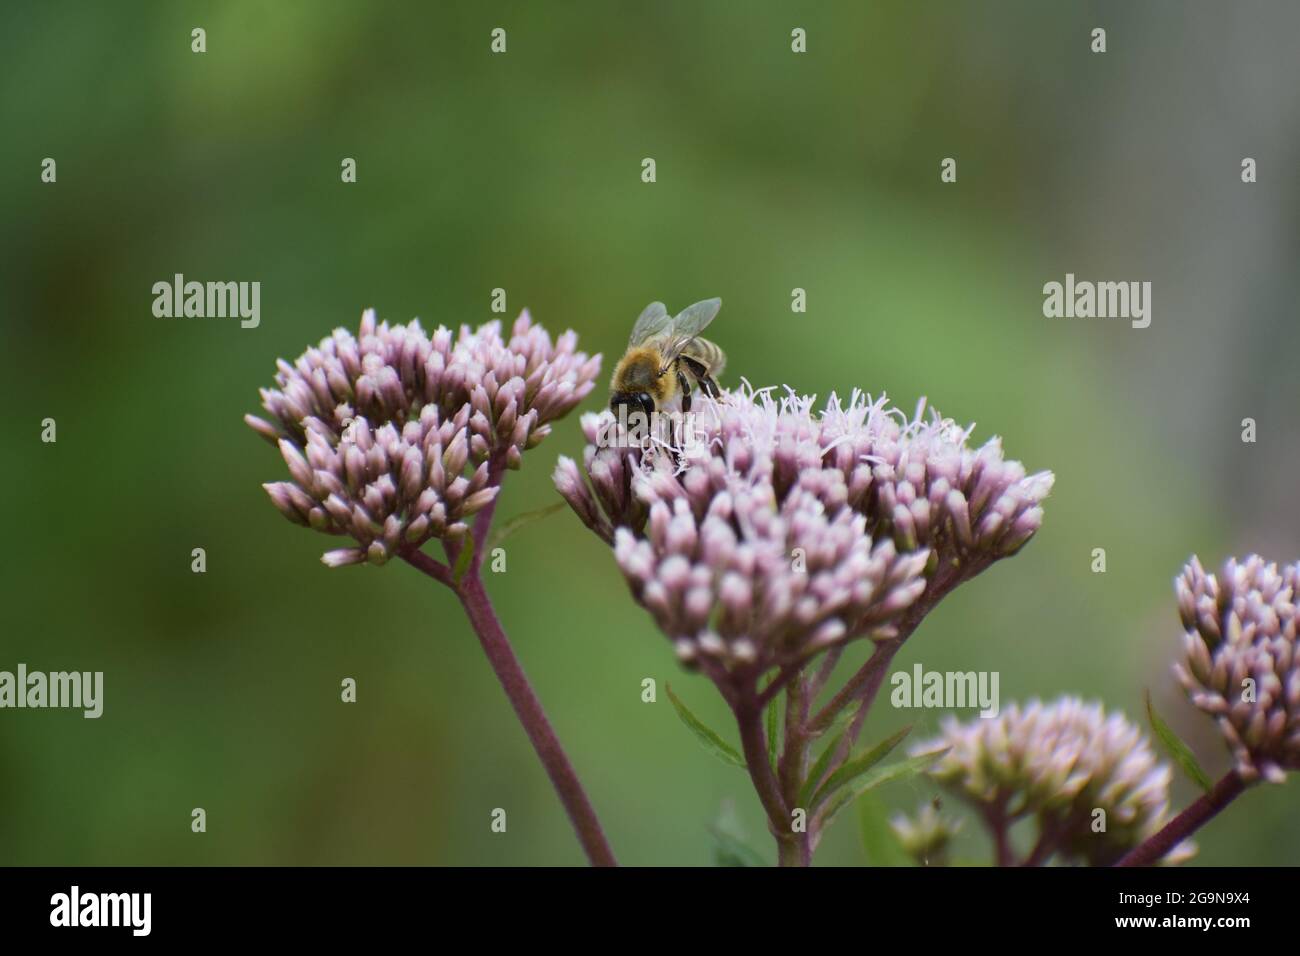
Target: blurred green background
522 171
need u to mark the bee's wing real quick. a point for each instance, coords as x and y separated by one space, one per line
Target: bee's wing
653 320
687 324
707 354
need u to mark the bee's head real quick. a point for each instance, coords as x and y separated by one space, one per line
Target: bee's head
633 402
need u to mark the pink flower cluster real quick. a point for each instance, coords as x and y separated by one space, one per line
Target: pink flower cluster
393 437
1060 763
1240 663
778 531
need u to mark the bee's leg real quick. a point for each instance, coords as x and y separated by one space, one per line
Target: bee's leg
685 386
703 377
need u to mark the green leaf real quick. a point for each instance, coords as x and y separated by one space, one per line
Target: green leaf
523 520
879 841
859 765
1177 750
729 845
773 725
463 559
729 850
707 736
819 768
899 770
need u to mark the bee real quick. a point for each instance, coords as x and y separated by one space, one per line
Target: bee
664 356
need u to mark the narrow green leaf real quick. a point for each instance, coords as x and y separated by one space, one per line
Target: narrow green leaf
899 770
729 850
523 520
1177 750
819 768
879 841
707 736
859 765
773 725
463 559
730 847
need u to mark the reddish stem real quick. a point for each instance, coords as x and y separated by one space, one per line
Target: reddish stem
753 740
1188 822
483 520
999 826
483 618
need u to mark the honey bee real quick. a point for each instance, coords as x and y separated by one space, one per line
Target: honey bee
664 356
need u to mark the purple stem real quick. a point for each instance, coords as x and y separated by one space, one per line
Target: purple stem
1188 822
793 765
483 618
863 684
824 672
866 682
999 826
753 740
483 520
1046 845
783 677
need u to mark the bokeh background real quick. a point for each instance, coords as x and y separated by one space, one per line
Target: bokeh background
522 171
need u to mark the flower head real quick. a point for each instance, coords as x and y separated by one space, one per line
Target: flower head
756 583
915 480
775 531
1240 662
926 836
393 437
1060 763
